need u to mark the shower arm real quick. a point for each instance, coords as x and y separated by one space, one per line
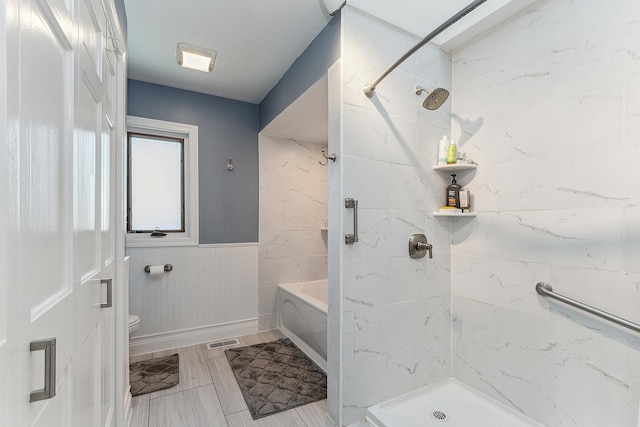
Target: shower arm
370 88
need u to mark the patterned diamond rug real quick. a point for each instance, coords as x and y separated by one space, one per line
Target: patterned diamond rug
276 376
154 374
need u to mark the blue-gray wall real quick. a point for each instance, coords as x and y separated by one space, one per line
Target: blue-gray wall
226 128
314 62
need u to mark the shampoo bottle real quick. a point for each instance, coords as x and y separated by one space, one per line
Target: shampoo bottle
442 151
452 153
453 193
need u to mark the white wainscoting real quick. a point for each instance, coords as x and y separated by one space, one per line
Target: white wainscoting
212 293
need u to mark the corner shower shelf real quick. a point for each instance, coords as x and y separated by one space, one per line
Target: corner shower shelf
455 167
467 214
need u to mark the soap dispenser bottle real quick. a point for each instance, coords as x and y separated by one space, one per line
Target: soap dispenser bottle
453 193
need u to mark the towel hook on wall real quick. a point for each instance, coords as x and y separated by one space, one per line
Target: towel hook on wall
331 157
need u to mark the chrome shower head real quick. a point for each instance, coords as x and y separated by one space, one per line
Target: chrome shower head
435 98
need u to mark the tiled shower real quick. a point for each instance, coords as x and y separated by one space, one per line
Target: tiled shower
548 105
293 218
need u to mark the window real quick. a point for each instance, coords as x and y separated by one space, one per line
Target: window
162 183
155 183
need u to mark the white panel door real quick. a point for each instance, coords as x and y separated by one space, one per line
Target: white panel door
56 221
9 295
108 267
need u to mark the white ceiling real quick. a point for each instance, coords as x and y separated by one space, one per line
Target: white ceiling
256 41
306 118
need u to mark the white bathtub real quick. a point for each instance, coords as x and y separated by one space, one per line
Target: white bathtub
302 314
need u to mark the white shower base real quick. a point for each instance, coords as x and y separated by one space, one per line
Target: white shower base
463 406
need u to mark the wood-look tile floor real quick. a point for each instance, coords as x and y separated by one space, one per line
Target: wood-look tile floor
208 395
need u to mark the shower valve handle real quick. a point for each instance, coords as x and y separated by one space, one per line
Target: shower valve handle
425 247
418 246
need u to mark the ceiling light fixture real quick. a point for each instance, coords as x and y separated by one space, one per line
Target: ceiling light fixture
196 58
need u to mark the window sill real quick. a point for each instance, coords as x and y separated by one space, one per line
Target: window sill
139 240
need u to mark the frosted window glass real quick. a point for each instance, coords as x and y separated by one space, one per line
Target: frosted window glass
155 184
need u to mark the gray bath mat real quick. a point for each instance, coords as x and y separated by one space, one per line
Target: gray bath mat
154 374
276 376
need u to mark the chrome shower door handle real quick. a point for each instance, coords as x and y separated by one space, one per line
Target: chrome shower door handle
350 203
109 283
49 390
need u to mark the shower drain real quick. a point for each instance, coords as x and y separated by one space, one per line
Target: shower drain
439 415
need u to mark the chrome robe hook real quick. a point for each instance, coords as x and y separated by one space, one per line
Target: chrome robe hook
331 157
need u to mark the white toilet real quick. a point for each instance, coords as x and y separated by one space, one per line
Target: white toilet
134 322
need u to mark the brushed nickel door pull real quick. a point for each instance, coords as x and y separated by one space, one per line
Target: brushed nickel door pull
49 390
350 239
109 302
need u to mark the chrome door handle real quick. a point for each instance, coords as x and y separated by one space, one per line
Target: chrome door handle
49 390
109 302
350 239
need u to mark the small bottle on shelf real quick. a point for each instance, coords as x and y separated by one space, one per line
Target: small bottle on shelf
453 193
452 153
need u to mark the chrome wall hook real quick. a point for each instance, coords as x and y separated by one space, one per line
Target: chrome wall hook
230 166
331 157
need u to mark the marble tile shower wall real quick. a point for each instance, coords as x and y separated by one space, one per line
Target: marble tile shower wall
549 105
395 311
293 208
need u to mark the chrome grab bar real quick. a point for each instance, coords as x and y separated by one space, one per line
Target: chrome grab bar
350 239
546 290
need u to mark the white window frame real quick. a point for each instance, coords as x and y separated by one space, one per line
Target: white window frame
190 237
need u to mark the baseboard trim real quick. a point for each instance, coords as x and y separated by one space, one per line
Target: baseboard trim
186 337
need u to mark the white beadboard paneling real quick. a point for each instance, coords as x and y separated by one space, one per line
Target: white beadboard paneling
193 336
209 285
